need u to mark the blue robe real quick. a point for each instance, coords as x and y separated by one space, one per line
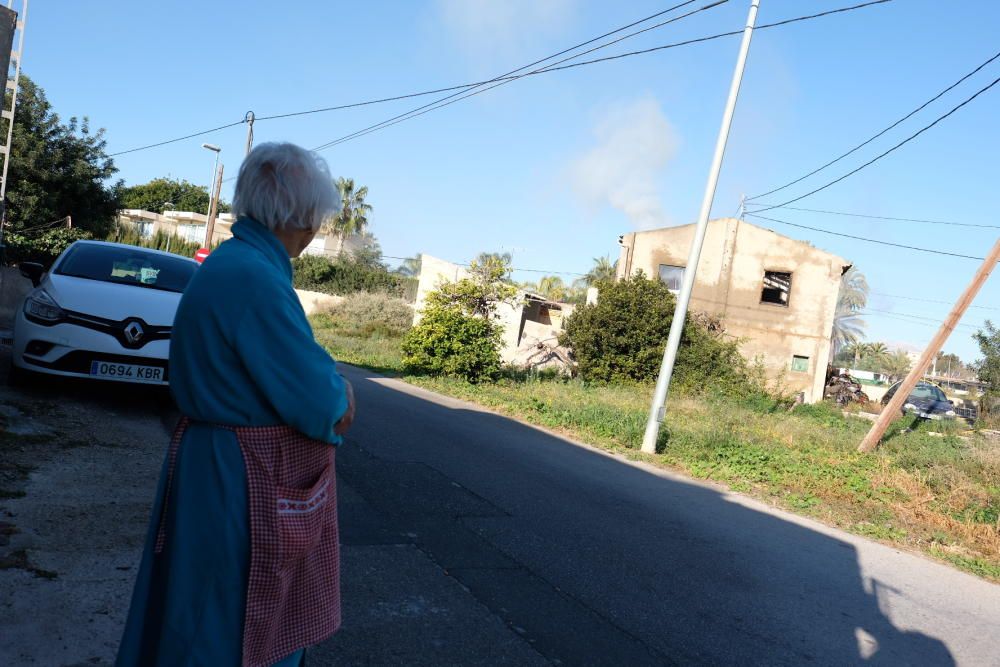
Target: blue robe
242 353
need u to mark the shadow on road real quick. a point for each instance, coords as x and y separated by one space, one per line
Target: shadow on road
596 561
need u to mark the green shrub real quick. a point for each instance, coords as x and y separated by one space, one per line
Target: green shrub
458 334
367 313
621 339
130 234
43 248
345 275
448 341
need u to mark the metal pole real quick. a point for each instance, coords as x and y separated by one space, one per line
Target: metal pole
657 409
213 206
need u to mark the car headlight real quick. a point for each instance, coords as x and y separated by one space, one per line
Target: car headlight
41 307
951 413
909 407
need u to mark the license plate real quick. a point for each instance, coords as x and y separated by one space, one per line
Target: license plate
126 372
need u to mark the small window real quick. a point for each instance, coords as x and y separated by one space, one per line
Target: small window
777 287
672 276
800 364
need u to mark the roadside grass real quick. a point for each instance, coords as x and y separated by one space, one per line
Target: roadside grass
931 487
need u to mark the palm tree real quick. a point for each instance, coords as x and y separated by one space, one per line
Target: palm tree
848 327
552 287
352 219
603 270
896 365
410 268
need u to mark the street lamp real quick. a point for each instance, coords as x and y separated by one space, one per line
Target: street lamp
215 171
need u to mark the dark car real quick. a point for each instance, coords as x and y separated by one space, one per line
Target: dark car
926 400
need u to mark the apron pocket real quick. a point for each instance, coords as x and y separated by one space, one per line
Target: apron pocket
302 516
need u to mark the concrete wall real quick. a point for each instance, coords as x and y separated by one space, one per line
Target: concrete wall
729 283
315 302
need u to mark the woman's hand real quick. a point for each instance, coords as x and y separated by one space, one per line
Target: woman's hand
344 425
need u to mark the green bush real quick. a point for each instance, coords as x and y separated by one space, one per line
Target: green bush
43 248
130 235
458 334
345 275
367 313
448 341
621 339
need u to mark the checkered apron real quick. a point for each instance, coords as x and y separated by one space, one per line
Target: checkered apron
293 598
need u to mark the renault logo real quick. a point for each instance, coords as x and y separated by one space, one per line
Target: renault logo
134 332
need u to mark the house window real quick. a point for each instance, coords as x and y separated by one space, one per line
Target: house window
800 364
672 276
777 286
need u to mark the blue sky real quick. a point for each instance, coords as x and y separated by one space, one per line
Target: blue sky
553 168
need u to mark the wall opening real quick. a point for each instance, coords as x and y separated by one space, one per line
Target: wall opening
800 364
672 276
777 287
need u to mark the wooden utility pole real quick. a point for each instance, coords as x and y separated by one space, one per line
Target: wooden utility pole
213 208
902 394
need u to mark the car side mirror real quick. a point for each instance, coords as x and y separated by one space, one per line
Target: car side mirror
32 271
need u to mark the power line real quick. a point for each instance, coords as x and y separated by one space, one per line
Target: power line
867 240
507 77
556 67
546 70
916 317
173 141
884 217
419 94
879 134
513 268
882 155
466 86
913 298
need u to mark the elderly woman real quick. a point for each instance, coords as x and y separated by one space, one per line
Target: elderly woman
241 559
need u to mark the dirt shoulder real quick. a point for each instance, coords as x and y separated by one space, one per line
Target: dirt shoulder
78 466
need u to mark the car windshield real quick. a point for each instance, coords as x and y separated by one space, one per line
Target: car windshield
928 392
128 266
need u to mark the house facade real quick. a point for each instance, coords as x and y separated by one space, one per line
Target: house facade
190 226
776 295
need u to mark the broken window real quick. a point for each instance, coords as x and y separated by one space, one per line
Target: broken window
777 287
672 276
800 364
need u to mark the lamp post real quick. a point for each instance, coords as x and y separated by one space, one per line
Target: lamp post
215 171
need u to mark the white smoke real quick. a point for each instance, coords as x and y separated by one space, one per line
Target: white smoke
634 144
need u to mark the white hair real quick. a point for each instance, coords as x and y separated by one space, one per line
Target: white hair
285 187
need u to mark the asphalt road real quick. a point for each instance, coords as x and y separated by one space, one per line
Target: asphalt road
593 560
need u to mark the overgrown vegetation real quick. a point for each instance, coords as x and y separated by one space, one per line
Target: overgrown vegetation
161 240
458 335
988 369
56 170
348 274
621 339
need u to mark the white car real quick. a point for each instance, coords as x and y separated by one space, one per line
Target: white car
104 310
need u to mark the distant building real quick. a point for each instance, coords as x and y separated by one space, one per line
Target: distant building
775 294
190 226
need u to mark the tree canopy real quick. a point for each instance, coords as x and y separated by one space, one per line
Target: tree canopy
168 193
352 218
56 170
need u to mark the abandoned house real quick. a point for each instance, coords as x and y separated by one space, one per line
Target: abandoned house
775 294
531 322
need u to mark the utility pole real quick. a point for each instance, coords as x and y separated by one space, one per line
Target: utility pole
902 394
657 409
248 119
213 207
